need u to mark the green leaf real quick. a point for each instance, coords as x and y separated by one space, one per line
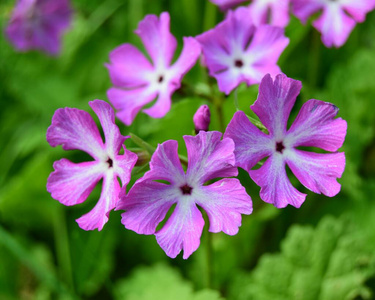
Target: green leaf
326 263
160 282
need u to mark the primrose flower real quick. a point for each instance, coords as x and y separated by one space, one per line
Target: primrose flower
39 25
338 17
314 126
237 51
138 82
274 12
71 183
149 200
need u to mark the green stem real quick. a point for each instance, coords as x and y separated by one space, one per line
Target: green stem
218 103
235 99
143 144
314 59
209 260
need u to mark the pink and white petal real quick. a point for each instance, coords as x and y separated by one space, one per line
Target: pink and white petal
228 80
146 205
358 9
303 9
334 25
226 4
255 73
157 38
259 12
182 230
315 126
316 171
124 164
275 185
163 103
251 144
187 59
128 67
267 45
72 183
98 216
129 102
280 13
165 164
75 129
224 201
113 138
209 157
275 101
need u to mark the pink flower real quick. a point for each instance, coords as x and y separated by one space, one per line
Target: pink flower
39 25
274 12
137 82
314 126
202 118
71 183
236 51
149 200
338 17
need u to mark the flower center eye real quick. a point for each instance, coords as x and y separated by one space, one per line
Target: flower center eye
238 63
280 147
161 79
110 162
186 190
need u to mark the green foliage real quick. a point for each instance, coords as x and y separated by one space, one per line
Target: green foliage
160 282
330 262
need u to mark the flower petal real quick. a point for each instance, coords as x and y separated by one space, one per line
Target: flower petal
157 38
128 67
75 129
275 185
124 164
146 205
270 12
162 104
165 164
315 126
275 101
334 25
303 9
225 201
98 216
358 9
226 4
209 157
251 144
187 59
129 102
71 183
182 230
316 171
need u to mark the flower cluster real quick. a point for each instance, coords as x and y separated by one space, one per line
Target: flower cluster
243 48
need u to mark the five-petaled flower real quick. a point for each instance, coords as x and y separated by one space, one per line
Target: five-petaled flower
137 82
71 183
274 12
237 51
39 24
149 200
338 18
314 126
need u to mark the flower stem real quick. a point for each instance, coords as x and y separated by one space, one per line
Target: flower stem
314 59
209 260
218 103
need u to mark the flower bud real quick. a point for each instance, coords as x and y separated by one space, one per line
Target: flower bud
202 118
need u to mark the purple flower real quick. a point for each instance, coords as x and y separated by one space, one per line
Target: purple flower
202 118
71 183
237 51
149 200
338 18
39 24
137 82
274 12
314 126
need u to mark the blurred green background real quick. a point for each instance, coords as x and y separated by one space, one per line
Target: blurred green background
324 250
